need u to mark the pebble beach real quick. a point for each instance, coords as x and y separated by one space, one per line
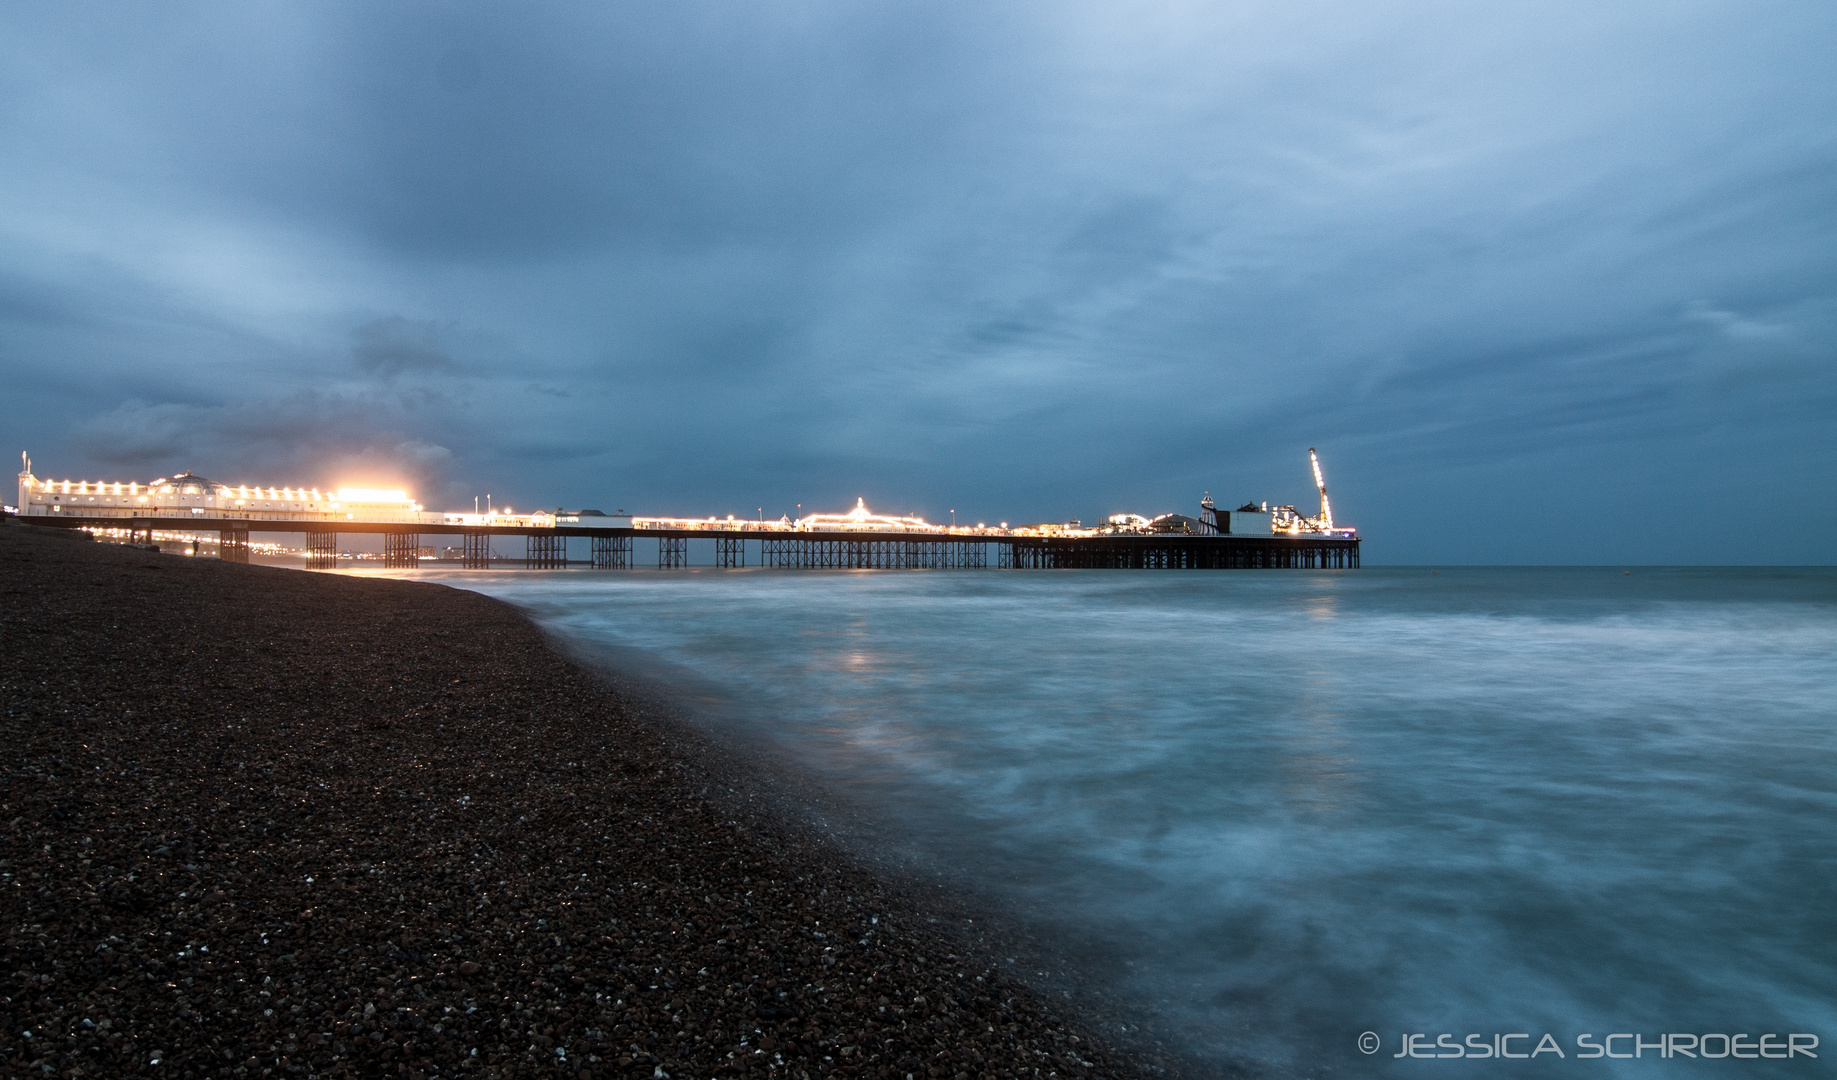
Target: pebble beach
264 822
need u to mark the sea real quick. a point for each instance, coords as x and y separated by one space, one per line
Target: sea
1394 822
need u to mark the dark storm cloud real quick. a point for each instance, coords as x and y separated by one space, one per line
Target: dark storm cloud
394 345
1039 260
268 442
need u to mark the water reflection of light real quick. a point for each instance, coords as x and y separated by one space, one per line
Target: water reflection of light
1318 766
1322 608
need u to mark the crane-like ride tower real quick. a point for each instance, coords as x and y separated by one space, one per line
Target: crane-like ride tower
1287 519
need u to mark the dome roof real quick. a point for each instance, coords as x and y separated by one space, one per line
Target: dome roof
186 483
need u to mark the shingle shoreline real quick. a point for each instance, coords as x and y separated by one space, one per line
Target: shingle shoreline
264 822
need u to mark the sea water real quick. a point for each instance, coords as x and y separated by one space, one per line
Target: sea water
1284 811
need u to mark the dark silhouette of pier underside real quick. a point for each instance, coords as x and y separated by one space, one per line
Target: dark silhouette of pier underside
736 547
1183 553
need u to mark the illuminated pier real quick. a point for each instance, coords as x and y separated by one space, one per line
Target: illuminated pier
1250 537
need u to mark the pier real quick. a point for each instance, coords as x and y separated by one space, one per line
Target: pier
188 505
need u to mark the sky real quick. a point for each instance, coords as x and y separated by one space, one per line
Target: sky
1544 283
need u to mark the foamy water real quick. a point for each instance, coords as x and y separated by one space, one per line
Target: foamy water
1285 808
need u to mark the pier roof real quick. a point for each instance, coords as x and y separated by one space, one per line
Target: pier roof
185 483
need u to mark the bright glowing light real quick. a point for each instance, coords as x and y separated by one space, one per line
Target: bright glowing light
371 495
863 518
1320 481
859 519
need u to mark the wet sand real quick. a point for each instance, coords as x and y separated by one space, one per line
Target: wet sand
265 822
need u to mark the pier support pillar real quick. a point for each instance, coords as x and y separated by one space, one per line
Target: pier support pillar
782 554
729 552
545 552
1204 552
401 550
321 551
672 552
232 542
611 552
475 551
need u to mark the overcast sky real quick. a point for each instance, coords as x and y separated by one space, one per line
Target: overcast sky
1542 282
